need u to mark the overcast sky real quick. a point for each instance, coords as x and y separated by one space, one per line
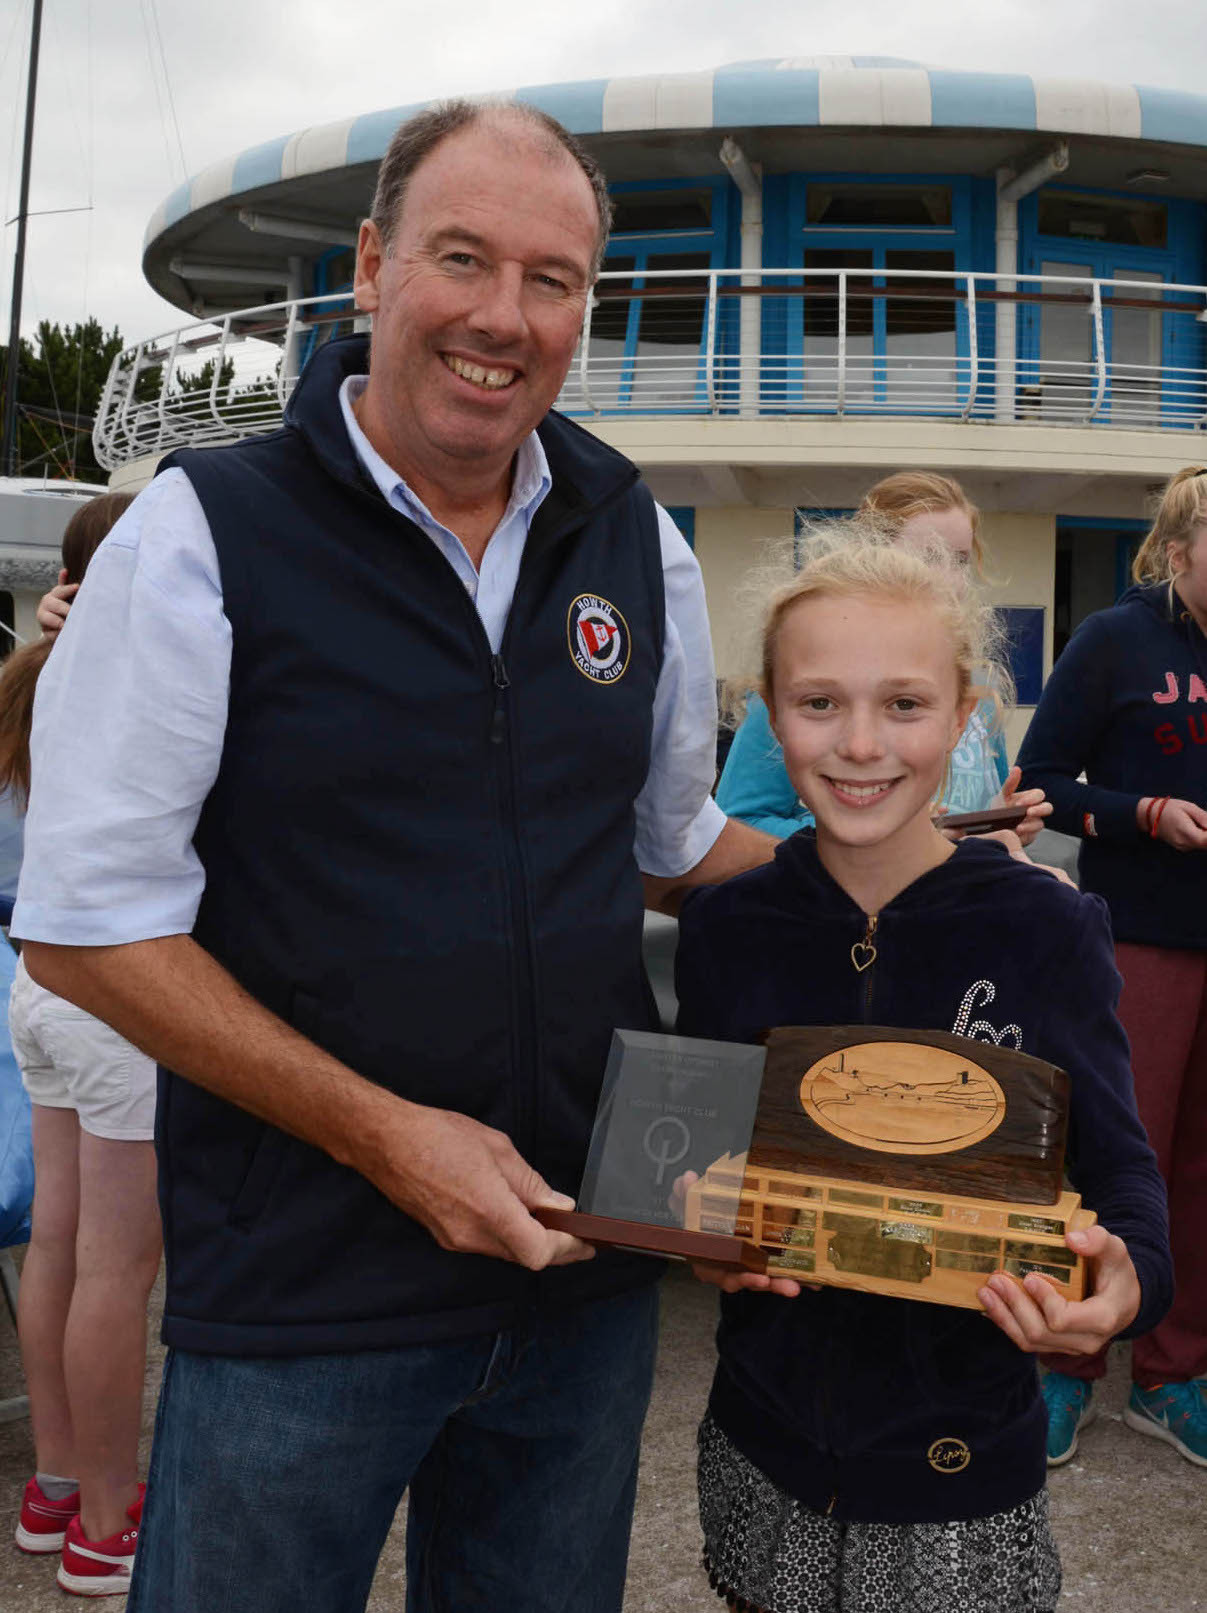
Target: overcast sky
243 71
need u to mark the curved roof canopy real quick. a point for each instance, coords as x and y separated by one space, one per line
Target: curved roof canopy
323 175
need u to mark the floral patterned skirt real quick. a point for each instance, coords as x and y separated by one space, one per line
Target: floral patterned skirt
765 1552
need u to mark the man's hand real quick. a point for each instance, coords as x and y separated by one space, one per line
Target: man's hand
469 1187
1039 1318
53 607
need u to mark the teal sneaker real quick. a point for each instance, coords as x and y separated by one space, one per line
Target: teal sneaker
1174 1412
1070 1408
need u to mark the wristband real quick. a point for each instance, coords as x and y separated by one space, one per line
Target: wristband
1161 805
1148 814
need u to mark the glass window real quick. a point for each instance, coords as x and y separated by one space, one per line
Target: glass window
893 207
670 331
821 326
609 329
656 211
920 330
1125 220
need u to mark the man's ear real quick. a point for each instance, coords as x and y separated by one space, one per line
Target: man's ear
370 255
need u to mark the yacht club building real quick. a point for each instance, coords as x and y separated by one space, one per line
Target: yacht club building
822 269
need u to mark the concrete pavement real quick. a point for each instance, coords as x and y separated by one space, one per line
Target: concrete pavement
1131 1515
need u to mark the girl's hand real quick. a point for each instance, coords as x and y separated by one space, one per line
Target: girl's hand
1038 1317
732 1282
1182 825
53 606
1037 804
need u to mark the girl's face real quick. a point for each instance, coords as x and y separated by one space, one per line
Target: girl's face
951 527
865 705
1190 575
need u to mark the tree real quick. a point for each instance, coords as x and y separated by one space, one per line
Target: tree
59 384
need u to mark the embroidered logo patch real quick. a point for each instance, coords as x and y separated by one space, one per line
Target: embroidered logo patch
949 1456
599 638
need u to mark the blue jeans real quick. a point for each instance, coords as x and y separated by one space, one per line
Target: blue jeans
274 1483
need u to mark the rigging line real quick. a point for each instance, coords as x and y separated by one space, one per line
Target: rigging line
167 84
62 57
163 121
54 394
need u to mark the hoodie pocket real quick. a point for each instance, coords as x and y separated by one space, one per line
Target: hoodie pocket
271 1145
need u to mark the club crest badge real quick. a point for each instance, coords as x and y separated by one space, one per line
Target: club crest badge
599 638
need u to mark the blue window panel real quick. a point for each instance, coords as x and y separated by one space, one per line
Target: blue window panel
578 106
1024 625
1174 115
981 100
371 134
747 96
684 517
178 203
259 166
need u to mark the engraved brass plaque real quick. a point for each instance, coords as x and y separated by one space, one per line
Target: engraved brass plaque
861 1245
1045 1253
917 1207
867 1201
786 1215
907 1230
794 1190
1020 1268
968 1243
954 1260
792 1260
1037 1223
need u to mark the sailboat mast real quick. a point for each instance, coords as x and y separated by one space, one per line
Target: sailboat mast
9 458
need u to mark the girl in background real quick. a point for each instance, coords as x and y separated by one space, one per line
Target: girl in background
1127 703
913 507
820 1486
95 1246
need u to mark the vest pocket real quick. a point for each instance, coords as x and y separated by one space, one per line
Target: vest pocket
271 1145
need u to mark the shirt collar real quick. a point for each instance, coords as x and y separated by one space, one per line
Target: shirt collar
531 480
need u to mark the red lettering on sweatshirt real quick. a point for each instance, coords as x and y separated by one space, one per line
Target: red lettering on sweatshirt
1166 736
1196 737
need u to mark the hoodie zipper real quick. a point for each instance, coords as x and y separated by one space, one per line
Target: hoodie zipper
864 953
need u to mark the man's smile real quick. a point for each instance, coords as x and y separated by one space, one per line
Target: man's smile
492 380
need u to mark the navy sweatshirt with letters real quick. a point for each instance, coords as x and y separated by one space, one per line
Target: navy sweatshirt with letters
1127 703
838 1396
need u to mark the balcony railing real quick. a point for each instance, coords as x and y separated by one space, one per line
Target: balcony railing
1058 350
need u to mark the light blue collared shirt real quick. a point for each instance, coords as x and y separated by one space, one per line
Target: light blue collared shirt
130 712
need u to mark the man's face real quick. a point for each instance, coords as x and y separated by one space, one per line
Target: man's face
478 305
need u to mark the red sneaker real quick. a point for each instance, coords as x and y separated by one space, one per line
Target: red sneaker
43 1523
100 1567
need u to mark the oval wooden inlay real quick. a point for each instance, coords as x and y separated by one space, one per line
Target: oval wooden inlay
902 1098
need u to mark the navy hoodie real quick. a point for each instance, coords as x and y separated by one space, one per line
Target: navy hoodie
838 1396
1127 703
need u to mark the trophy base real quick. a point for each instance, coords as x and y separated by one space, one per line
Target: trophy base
938 1247
675 1243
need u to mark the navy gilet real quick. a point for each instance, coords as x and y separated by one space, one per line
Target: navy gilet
421 856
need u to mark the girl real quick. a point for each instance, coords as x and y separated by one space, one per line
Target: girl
910 506
1127 701
820 1487
94 1250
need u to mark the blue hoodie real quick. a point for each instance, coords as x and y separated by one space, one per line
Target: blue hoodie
838 1396
1127 704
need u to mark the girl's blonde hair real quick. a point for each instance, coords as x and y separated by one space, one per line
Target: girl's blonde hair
1183 506
860 557
922 492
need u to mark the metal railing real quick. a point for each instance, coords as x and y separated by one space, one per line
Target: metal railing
832 341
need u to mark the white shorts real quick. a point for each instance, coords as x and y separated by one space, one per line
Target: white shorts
70 1060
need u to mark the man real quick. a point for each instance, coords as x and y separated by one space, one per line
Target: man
342 763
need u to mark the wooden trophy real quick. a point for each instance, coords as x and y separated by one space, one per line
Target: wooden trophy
910 1163
914 1163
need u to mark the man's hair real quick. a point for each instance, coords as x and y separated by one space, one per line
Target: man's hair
419 136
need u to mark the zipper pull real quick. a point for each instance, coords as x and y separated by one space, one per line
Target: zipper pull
863 953
502 683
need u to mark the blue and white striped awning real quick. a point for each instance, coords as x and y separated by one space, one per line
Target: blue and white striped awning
800 91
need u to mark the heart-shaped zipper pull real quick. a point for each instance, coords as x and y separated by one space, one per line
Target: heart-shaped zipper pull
863 953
